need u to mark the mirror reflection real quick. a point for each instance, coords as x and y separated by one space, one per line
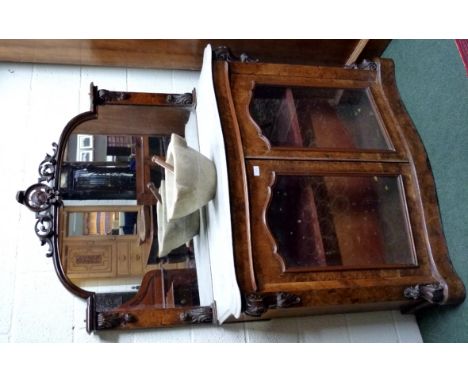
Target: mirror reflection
101 223
109 221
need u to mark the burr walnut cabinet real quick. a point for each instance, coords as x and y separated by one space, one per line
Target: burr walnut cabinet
333 201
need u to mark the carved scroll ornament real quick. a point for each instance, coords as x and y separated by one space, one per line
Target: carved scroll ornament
105 96
223 53
180 99
41 198
110 320
433 293
364 65
258 304
199 315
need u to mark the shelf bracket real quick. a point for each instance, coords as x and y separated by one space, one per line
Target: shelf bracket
258 304
432 293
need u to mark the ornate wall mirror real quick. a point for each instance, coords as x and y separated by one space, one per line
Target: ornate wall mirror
96 210
126 226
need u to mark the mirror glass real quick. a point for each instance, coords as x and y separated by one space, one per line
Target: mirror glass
101 223
108 233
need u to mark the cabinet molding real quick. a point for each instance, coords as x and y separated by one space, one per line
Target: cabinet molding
185 54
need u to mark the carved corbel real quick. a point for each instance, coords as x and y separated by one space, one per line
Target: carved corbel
200 315
180 99
106 96
223 53
255 305
258 304
364 65
432 293
110 320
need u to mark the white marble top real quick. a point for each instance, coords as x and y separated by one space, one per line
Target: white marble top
214 253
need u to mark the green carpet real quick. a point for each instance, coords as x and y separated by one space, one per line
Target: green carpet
434 87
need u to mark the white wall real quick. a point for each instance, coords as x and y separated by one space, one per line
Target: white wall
36 102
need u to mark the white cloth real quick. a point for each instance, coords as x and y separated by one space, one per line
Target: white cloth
172 233
192 184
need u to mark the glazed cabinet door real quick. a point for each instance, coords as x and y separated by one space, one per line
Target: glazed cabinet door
340 222
322 114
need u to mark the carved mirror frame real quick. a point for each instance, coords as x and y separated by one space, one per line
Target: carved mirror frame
44 199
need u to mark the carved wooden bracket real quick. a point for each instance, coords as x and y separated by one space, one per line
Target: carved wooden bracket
258 304
223 53
200 315
41 198
433 293
365 65
110 320
180 99
106 96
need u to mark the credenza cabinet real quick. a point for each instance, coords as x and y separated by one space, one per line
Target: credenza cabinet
325 201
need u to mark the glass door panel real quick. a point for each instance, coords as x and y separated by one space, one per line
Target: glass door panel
344 220
325 118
